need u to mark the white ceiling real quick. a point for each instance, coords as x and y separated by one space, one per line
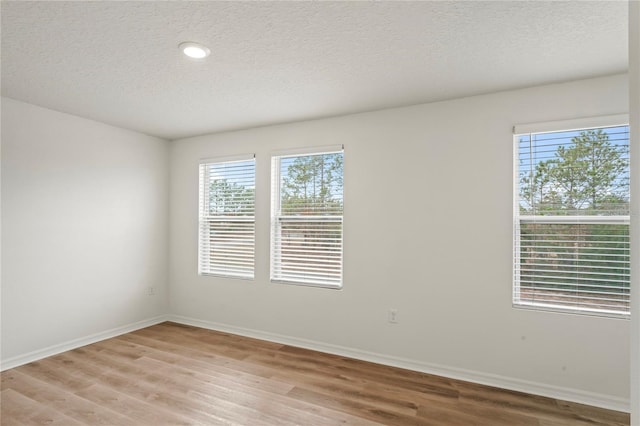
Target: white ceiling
272 62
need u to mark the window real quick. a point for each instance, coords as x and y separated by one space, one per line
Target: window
227 218
307 207
572 220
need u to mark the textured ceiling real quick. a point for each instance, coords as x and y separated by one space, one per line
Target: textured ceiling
274 62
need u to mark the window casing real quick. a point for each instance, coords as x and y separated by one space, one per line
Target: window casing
226 244
571 236
307 218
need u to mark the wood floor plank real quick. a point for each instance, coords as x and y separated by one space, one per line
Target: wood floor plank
226 348
160 397
251 404
21 410
346 373
140 411
398 402
171 374
394 403
28 384
202 394
520 403
595 414
457 413
200 355
50 374
364 410
223 374
275 404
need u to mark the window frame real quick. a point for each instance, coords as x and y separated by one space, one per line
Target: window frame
588 123
202 217
277 218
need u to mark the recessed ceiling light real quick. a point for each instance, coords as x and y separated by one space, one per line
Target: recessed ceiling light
194 50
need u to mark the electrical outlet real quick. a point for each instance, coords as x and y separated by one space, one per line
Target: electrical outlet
151 291
393 316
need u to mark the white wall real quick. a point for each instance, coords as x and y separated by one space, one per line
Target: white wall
634 110
85 224
428 231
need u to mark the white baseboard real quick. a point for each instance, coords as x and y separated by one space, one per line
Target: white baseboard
556 392
19 360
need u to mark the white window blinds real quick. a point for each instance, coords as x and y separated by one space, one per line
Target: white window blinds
307 214
572 220
227 218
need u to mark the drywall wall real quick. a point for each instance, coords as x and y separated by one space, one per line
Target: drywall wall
85 224
634 118
427 231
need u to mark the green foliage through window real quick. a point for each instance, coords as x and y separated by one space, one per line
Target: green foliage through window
572 242
307 219
312 184
227 219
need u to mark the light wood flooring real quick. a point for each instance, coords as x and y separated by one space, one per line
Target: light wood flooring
171 374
